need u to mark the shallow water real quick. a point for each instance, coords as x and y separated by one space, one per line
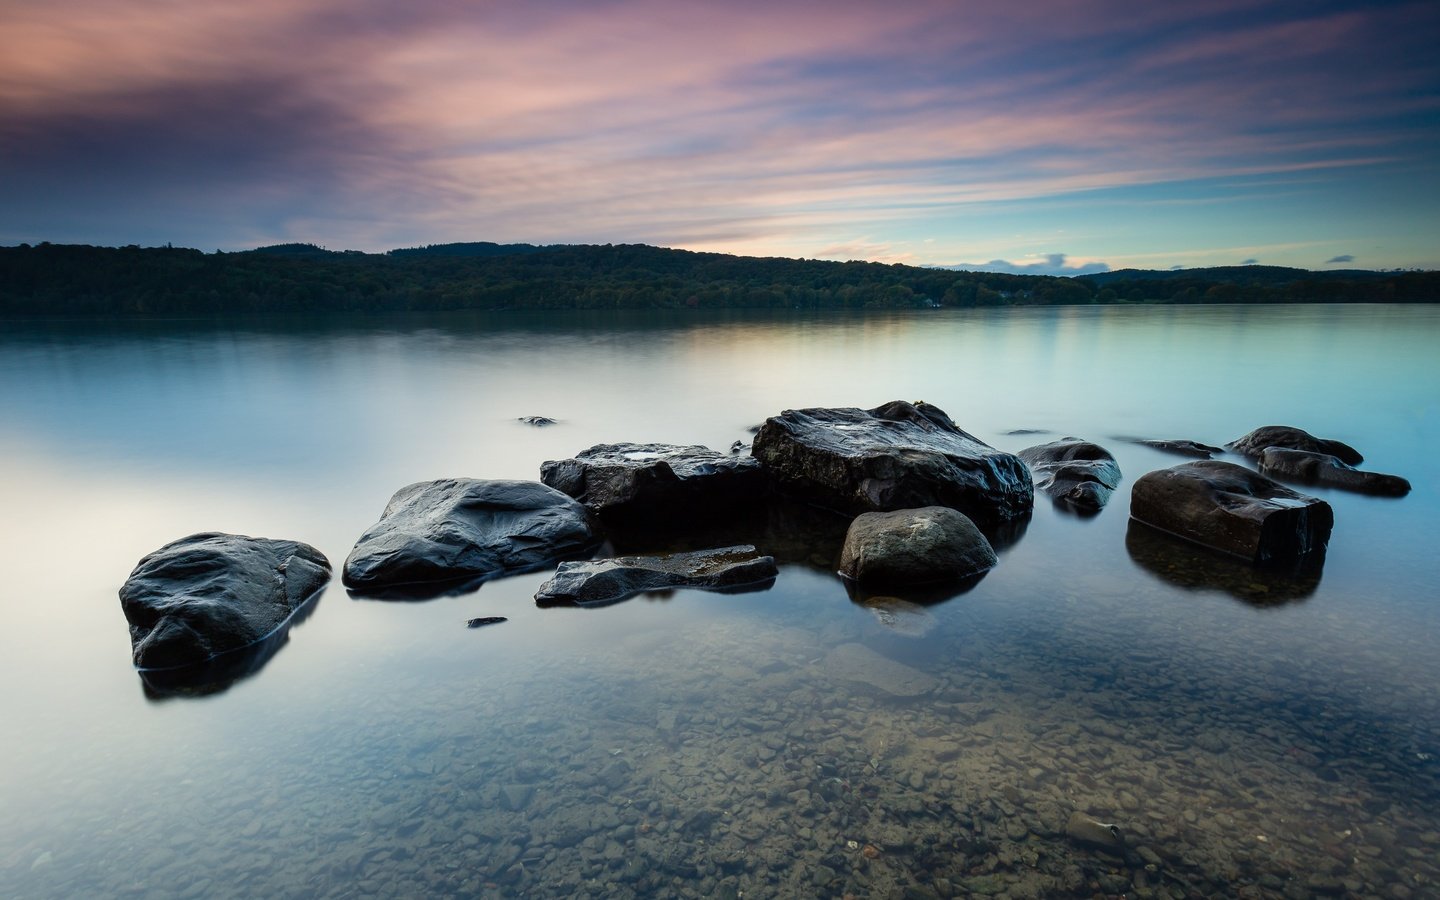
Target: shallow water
1250 735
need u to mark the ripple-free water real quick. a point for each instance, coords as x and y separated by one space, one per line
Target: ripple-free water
1250 735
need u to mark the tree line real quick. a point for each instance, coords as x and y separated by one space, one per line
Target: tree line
81 280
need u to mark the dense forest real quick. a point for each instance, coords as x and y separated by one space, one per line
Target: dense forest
78 280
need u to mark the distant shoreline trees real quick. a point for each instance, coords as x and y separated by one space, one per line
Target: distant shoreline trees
81 280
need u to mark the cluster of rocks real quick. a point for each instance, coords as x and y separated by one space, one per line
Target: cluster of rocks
925 502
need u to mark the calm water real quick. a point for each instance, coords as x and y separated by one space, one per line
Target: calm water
1250 736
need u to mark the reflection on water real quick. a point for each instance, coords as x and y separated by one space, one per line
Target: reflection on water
790 742
219 673
1191 567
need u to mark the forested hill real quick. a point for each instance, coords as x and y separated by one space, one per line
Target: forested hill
54 279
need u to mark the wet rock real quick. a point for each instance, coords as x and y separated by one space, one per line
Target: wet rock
1323 469
537 421
1181 447
1073 472
896 456
1290 438
210 594
482 621
645 481
434 532
600 582
914 546
1086 829
858 663
1232 509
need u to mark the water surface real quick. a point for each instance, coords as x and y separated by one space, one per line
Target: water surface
1249 735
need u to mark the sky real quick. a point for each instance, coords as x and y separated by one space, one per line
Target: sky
1042 136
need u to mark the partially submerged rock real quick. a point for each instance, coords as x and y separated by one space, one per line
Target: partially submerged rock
434 532
896 456
538 421
600 582
1232 509
1181 446
210 594
1074 472
643 481
1324 469
914 546
1255 443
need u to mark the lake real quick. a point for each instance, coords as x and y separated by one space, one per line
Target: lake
1250 735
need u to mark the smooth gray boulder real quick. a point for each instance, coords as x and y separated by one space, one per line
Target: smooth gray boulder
601 582
209 594
1327 470
1290 438
645 481
457 528
897 456
914 546
1073 472
1232 509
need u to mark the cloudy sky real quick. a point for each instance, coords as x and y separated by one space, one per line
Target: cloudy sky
1044 136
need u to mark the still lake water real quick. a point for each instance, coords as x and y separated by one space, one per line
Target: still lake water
1250 736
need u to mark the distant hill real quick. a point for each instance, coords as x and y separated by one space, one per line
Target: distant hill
1246 275
476 248
81 280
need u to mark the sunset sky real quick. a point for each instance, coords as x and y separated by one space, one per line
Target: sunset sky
1033 136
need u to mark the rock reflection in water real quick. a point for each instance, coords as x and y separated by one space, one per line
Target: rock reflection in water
1194 568
219 674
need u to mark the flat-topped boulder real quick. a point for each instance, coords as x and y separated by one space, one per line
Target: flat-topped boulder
1073 472
1232 509
210 594
1290 438
897 456
601 582
1324 469
931 545
639 481
453 529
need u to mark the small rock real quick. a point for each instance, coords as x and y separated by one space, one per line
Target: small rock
485 620
601 582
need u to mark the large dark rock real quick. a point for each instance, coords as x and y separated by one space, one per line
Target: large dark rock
1074 473
442 531
601 582
1256 442
896 456
1232 509
914 546
209 594
646 481
1324 469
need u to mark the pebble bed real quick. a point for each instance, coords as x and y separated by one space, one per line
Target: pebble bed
906 753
